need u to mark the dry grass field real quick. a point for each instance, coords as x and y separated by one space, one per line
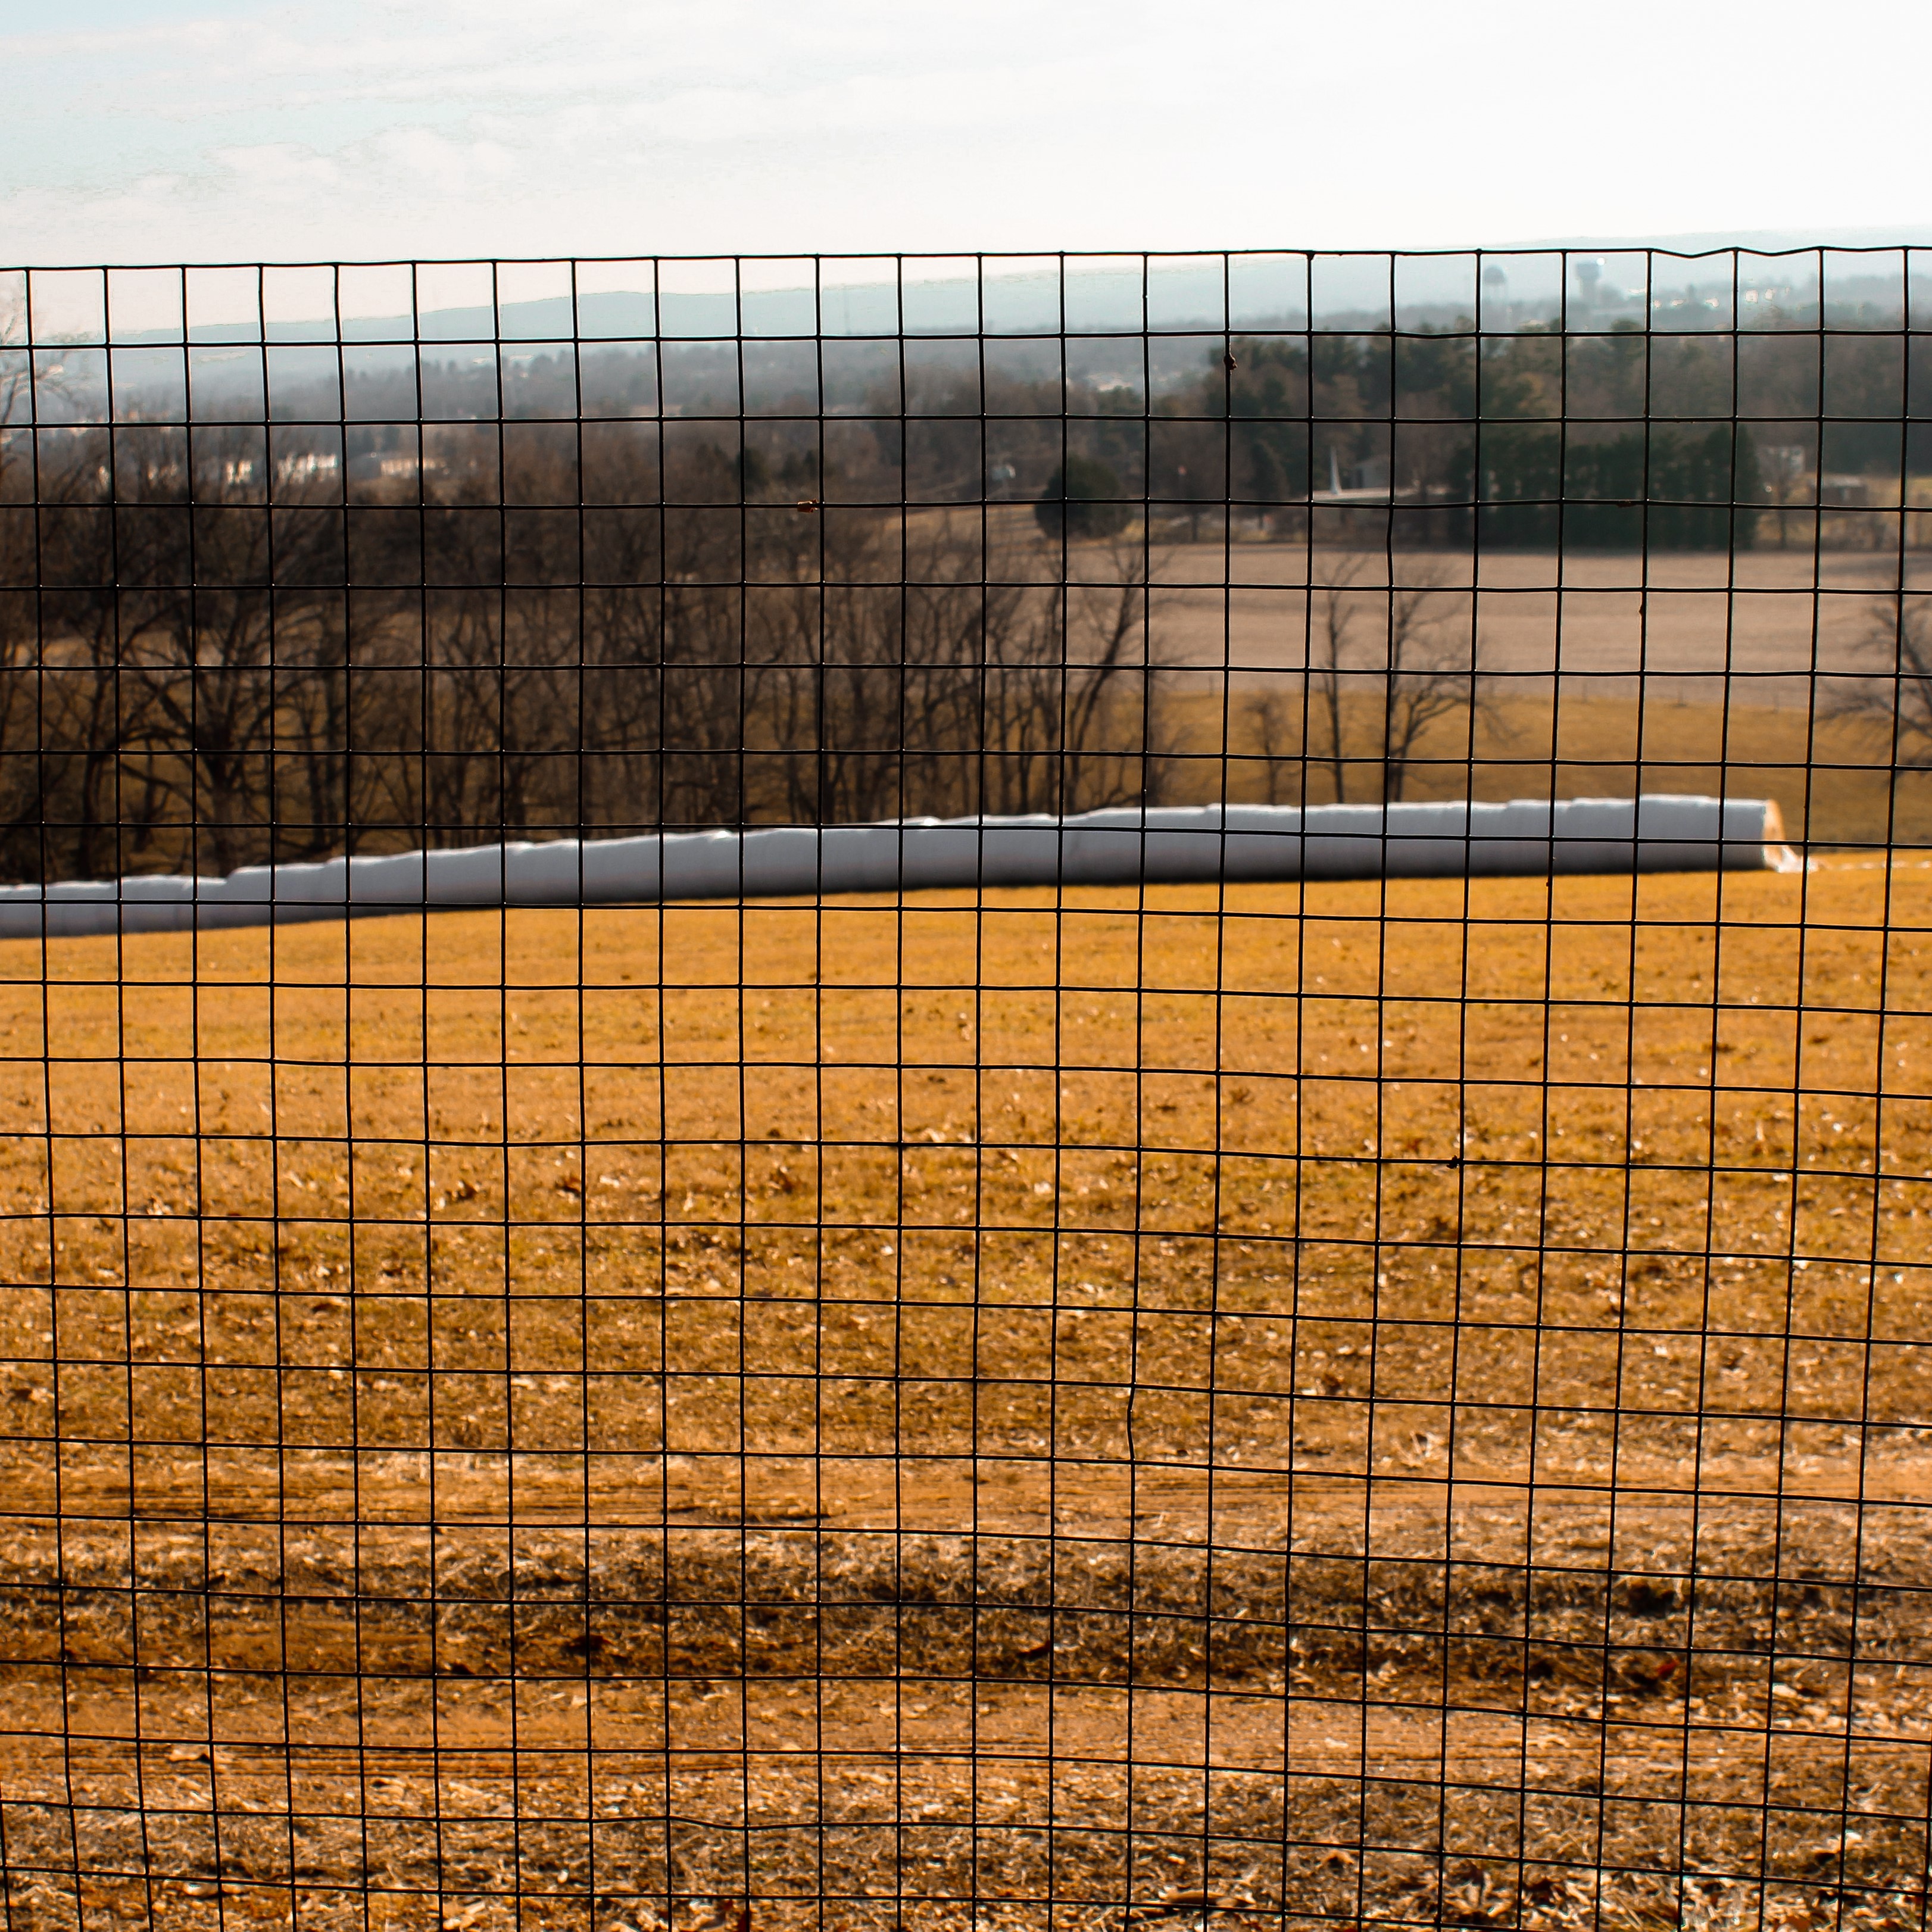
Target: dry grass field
1833 775
1392 1403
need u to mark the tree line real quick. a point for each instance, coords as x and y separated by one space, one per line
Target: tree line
222 644
1609 440
191 677
187 677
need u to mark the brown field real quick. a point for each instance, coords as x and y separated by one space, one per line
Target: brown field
1832 774
1602 673
1398 1402
1755 626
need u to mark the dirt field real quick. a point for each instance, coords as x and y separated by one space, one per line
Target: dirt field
1755 626
1389 1404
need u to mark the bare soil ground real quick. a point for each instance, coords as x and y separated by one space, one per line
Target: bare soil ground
1600 674
1754 627
1397 1403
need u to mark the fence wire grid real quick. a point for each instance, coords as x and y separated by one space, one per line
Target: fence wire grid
1318 1403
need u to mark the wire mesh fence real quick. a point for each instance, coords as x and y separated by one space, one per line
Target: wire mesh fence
1244 1331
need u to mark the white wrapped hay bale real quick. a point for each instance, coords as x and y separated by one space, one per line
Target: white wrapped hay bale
1170 844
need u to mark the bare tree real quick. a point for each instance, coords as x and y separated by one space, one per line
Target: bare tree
1429 671
1403 651
1335 609
982 681
1897 694
221 624
1275 739
1081 722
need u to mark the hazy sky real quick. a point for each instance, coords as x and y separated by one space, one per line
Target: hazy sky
238 130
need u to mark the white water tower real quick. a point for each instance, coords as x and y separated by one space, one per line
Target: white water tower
1495 309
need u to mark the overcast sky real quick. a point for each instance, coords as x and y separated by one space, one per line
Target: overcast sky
243 130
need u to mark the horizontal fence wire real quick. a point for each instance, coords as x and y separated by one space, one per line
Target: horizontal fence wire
1314 1315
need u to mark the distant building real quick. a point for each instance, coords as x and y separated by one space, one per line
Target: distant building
310 465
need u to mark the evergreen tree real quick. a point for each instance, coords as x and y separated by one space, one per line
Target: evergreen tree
1081 499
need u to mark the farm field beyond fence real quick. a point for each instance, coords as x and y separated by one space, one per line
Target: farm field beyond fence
1397 1402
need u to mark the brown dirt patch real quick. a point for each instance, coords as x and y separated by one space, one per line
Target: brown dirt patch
1394 1401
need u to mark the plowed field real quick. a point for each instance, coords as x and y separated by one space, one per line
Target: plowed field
1400 1401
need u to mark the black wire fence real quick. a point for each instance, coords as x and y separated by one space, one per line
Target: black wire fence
1238 1400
